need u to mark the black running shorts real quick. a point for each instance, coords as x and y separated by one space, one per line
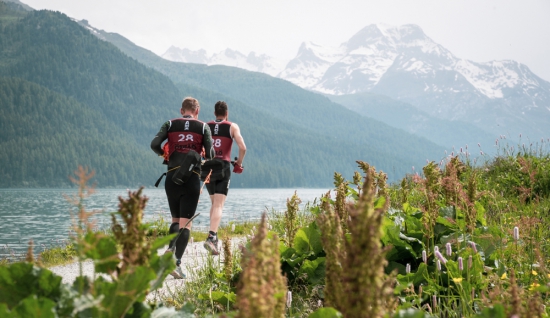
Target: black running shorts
220 186
183 199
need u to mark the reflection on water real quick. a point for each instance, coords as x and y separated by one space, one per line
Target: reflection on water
44 215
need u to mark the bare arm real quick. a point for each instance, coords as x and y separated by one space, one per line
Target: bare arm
236 133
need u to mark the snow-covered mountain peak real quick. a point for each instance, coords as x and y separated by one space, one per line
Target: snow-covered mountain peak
378 53
252 62
311 50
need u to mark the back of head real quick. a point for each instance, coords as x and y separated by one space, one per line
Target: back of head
190 104
220 109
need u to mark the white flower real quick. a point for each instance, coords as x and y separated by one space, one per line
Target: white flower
516 233
288 299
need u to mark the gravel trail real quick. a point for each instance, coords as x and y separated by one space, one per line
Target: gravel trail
195 256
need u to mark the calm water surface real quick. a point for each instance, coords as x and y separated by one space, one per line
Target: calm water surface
44 215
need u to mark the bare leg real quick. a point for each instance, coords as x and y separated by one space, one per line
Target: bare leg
218 200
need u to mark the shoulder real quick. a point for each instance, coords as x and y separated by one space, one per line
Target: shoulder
167 124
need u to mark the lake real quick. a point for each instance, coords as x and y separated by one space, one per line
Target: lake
44 215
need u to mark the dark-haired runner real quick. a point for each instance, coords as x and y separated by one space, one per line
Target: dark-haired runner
223 134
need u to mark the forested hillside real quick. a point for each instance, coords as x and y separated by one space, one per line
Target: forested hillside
45 136
70 99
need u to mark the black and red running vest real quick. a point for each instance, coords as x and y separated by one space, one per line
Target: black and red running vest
221 139
185 134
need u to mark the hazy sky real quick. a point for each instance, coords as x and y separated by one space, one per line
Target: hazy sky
478 30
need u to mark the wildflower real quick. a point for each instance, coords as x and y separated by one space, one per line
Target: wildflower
534 273
503 276
448 249
473 245
438 265
457 280
470 262
408 268
434 301
436 249
288 299
424 256
440 257
516 233
460 264
534 285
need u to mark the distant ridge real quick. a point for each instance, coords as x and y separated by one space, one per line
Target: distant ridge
403 63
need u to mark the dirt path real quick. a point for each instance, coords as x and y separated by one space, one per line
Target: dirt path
195 256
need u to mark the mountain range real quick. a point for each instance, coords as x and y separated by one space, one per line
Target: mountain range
73 95
403 64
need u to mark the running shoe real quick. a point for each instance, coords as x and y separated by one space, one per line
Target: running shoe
178 273
211 245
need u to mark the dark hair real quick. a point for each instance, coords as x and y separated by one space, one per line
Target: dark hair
220 109
189 103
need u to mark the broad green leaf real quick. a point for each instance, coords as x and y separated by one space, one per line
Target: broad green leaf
315 270
34 307
139 310
413 225
421 274
448 212
480 214
20 280
103 252
308 240
120 295
401 250
395 266
162 266
379 203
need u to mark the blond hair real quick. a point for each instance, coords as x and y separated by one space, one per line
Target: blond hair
190 103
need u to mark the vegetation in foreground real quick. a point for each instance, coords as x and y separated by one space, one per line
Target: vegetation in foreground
458 240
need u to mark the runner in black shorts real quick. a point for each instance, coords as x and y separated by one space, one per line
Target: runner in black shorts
187 138
223 134
220 185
